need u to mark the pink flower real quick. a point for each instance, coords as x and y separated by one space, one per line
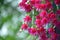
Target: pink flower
57 2
24 1
41 29
58 24
22 5
51 30
27 19
38 17
33 2
43 37
43 14
44 20
32 31
54 21
51 16
28 8
58 12
37 6
42 6
24 26
54 36
49 5
38 22
47 1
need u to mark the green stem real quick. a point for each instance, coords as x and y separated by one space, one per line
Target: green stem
57 7
32 18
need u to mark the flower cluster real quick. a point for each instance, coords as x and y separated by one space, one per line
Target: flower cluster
57 2
45 20
40 23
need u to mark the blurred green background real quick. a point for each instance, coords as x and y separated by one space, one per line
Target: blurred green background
11 17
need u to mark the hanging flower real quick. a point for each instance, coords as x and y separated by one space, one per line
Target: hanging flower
27 19
32 31
24 26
